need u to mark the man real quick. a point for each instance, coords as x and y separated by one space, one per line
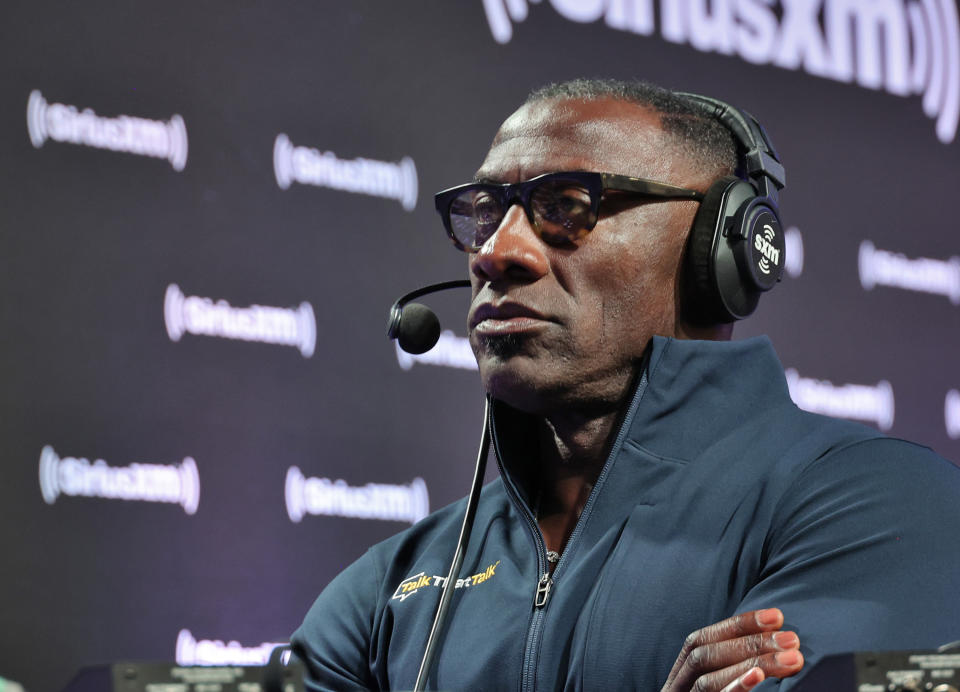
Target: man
655 478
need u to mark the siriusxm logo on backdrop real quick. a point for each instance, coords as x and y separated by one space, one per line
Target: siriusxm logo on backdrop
63 123
871 403
321 496
951 413
214 652
451 351
78 477
298 164
202 316
904 47
925 275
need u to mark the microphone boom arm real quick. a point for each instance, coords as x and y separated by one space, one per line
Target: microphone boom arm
396 310
449 586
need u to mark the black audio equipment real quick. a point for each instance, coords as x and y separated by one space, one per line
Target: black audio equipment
417 331
884 671
415 326
736 249
149 677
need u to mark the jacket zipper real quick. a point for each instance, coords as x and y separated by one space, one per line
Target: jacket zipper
543 590
545 583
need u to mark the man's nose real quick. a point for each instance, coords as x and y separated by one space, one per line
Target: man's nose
514 252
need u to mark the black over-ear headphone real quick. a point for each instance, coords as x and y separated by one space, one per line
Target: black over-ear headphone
736 249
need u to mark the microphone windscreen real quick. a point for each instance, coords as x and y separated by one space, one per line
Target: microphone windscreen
419 329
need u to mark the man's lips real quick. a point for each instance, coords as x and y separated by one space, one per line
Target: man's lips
502 318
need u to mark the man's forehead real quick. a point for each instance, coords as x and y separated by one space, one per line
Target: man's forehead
567 134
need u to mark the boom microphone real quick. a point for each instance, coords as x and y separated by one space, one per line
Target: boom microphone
417 330
415 326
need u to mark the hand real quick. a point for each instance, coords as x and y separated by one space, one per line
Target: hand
736 654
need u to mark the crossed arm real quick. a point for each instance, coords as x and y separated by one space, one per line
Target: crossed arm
865 559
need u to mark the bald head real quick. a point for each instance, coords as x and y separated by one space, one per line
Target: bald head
694 134
606 134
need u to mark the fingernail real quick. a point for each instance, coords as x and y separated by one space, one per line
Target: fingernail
786 640
752 677
770 616
789 658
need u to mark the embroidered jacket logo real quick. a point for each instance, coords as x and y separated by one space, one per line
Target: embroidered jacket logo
421 580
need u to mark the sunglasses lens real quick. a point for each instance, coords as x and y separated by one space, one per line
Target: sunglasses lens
563 211
475 215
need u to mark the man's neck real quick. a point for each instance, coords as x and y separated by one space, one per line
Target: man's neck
572 454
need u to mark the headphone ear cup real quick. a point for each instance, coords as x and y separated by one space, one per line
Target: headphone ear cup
702 303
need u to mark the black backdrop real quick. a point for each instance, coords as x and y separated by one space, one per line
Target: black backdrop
192 306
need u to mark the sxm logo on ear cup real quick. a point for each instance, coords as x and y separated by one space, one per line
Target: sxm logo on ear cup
761 256
735 253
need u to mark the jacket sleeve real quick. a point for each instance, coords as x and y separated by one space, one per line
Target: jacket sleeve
864 553
334 640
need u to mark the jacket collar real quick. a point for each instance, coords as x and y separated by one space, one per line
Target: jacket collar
690 394
699 390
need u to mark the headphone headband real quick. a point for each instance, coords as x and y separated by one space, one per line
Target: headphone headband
761 159
736 249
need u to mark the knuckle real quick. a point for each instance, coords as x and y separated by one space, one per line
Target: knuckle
692 641
742 624
756 644
768 662
700 685
698 658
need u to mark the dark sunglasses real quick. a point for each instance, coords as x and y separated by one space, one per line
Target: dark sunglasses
561 207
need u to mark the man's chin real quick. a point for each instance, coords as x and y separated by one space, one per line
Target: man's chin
502 347
510 373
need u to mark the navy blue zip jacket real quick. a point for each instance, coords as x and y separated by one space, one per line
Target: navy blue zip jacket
719 496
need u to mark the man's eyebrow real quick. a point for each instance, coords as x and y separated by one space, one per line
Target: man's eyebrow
498 181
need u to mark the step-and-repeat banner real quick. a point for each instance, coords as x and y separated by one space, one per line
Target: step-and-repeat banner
207 209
